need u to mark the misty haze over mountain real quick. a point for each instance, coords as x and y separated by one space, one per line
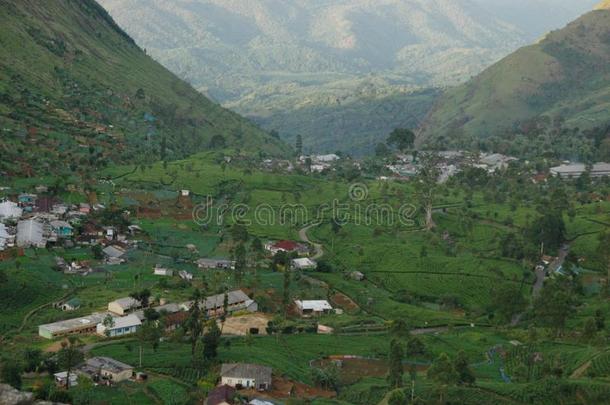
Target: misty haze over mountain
272 60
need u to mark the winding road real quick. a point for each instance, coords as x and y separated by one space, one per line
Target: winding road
319 249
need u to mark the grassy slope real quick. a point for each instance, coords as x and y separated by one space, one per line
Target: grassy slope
566 74
66 69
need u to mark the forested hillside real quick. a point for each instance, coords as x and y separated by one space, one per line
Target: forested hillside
75 90
553 96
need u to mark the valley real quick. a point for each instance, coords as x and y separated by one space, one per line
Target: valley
378 229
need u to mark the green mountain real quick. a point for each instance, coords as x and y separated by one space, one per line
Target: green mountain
554 95
307 66
76 90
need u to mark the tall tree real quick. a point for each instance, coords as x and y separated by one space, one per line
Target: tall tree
69 356
299 145
240 263
396 370
465 374
402 139
211 340
426 183
148 333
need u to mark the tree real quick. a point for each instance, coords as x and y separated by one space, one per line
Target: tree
442 371
425 186
108 323
32 358
299 145
397 397
396 370
399 328
553 305
148 333
548 230
326 377
415 347
142 296
198 361
240 263
381 150
589 330
600 320
239 233
218 142
211 341
286 291
69 356
402 139
465 374
604 256
507 301
11 374
193 323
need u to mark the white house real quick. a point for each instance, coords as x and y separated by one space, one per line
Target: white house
10 210
313 307
31 233
121 326
162 271
304 263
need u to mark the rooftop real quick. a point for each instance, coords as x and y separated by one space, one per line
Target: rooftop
68 324
107 364
242 370
314 305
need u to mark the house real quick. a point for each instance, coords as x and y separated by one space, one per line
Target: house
71 305
257 401
313 307
209 264
27 200
62 229
576 170
106 368
222 395
304 263
79 326
357 275
325 330
241 375
114 254
6 239
121 326
10 211
214 305
61 379
162 271
31 233
84 208
287 246
124 305
185 275
59 209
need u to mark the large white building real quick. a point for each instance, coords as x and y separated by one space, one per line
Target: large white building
125 325
575 170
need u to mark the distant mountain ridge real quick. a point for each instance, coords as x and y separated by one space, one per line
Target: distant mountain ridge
561 82
76 91
285 62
